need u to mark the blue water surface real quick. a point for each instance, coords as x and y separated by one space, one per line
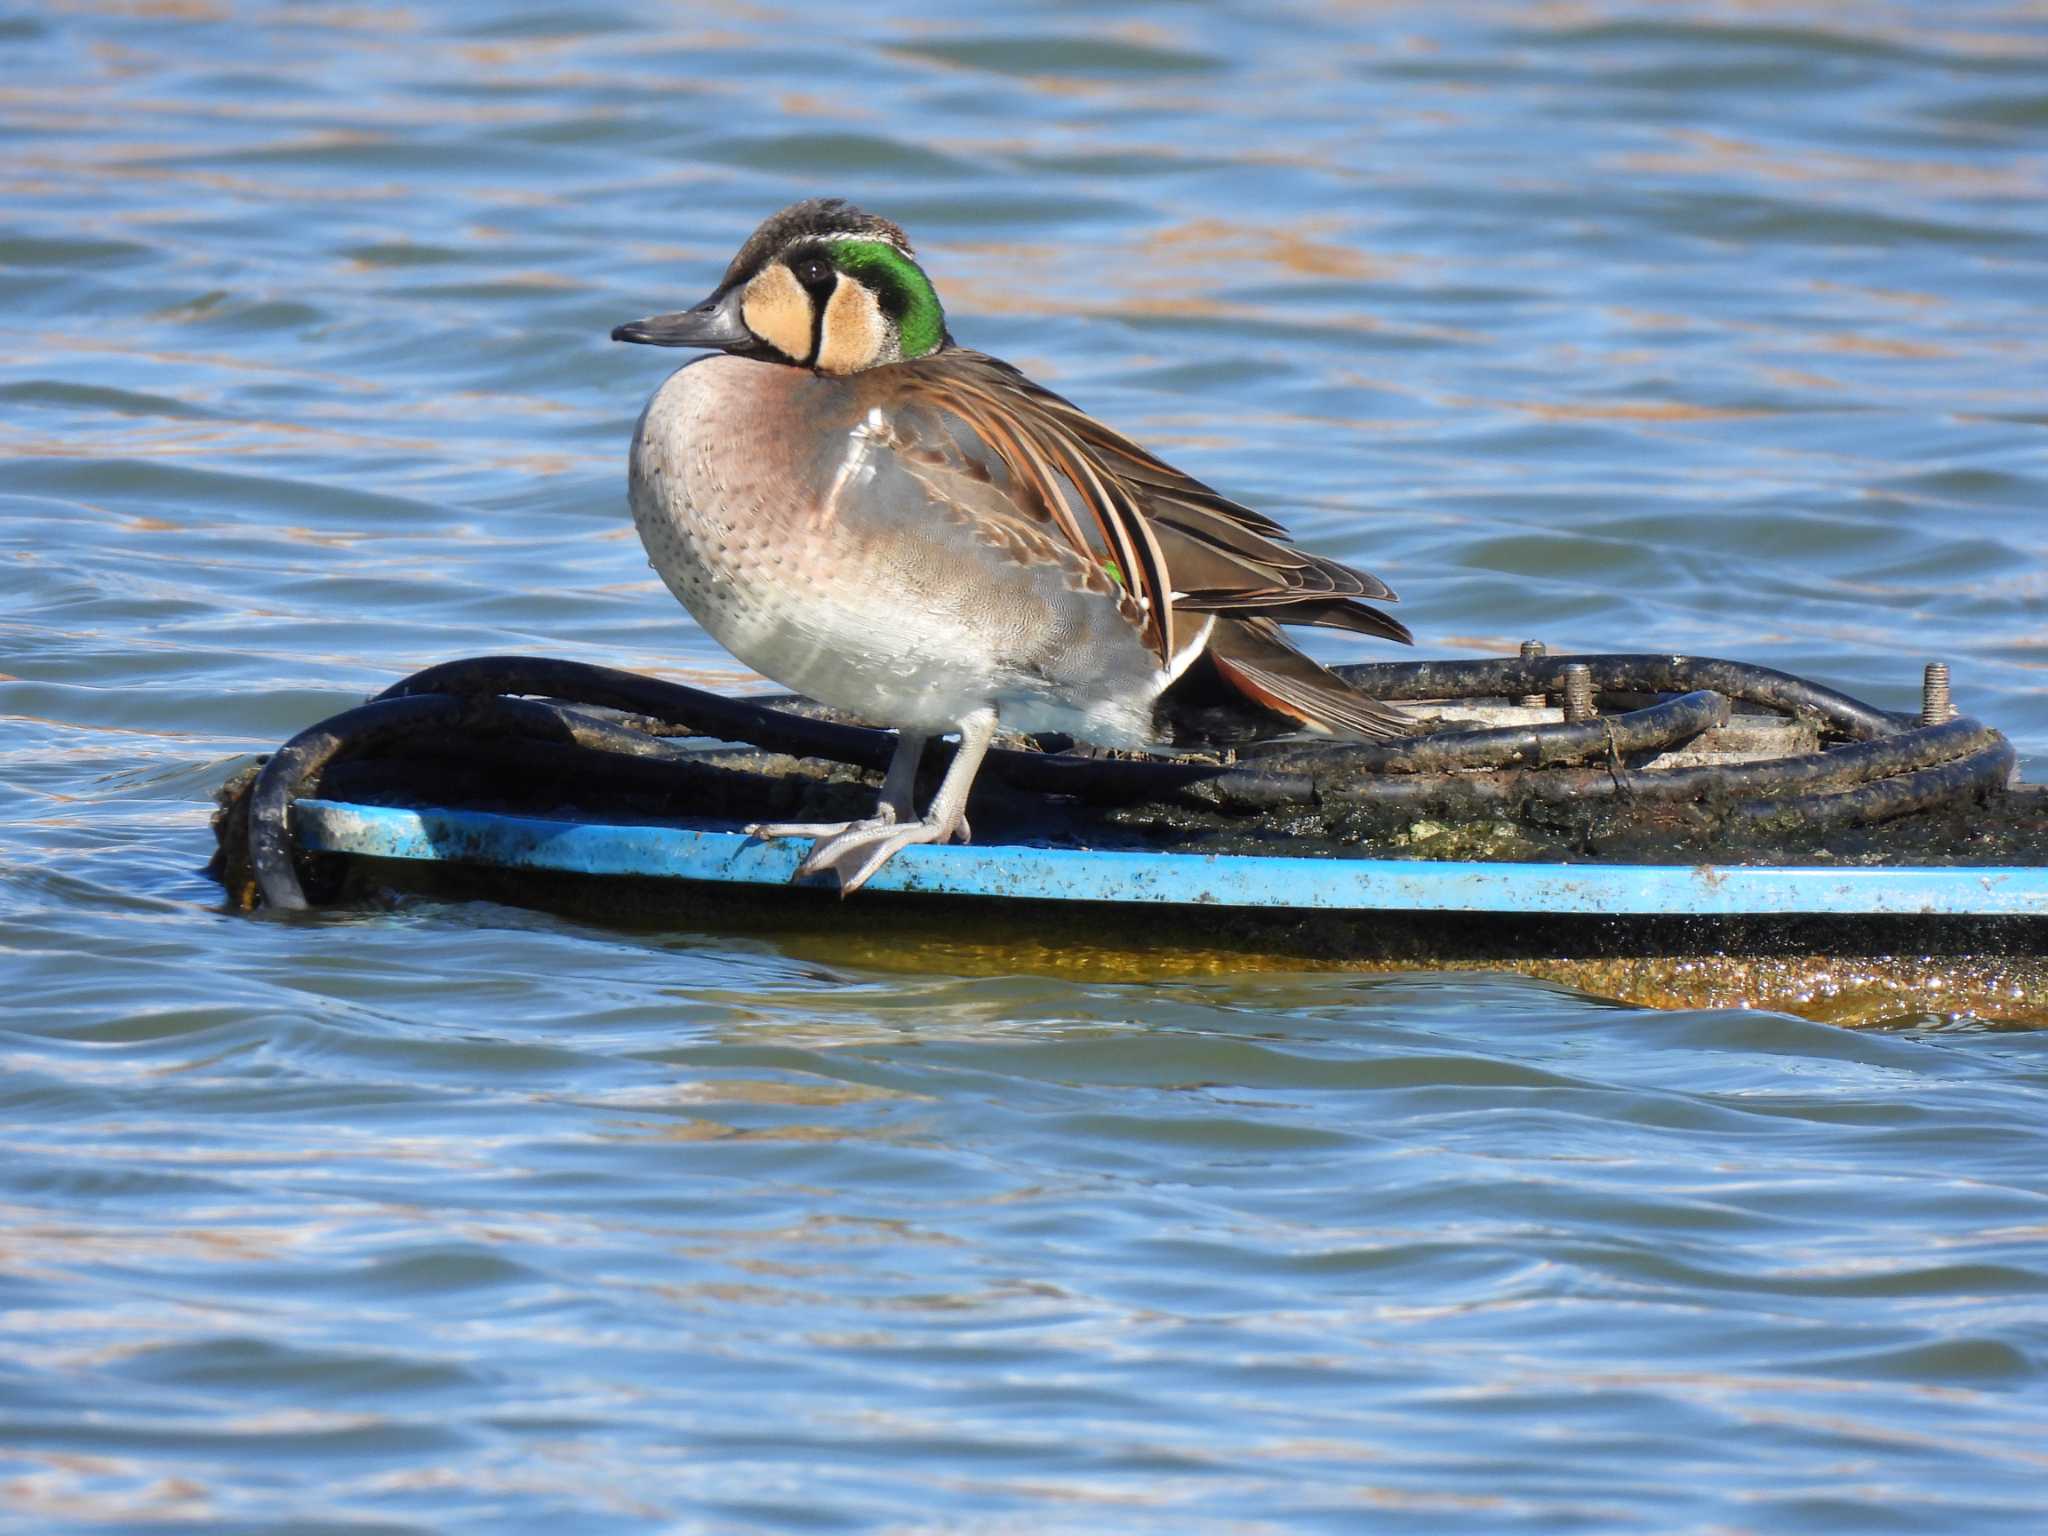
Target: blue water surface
1703 327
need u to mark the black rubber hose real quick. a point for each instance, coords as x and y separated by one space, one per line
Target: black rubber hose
1885 748
1837 768
291 765
709 714
384 722
1264 782
779 731
1973 776
775 730
1888 771
1512 746
1640 672
1816 773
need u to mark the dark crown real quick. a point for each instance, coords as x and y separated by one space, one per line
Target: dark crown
812 217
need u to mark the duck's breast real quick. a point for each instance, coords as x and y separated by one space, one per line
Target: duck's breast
868 554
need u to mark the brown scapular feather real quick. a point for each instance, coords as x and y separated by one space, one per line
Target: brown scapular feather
1179 545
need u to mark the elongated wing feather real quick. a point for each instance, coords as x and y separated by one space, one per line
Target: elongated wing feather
1177 544
1255 658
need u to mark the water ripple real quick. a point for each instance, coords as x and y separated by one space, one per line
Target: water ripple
1681 327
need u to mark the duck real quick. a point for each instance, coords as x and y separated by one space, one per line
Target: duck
874 516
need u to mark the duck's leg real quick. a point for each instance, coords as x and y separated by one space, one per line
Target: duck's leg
898 802
857 852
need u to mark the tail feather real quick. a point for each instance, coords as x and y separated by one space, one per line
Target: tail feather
1254 658
1345 614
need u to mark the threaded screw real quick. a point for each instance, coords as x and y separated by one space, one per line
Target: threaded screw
1935 706
1534 650
1578 692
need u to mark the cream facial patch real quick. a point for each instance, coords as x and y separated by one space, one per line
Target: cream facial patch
855 331
778 311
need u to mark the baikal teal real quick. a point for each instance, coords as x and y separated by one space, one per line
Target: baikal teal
1705 328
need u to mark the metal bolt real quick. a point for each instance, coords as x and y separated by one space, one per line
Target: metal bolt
1534 650
1578 692
1934 701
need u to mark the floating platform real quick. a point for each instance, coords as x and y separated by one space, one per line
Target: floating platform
1774 844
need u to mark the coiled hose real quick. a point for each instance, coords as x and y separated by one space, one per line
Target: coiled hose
1890 766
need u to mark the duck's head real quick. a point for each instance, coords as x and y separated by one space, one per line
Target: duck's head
821 285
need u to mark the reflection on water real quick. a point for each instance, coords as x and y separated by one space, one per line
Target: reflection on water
1704 327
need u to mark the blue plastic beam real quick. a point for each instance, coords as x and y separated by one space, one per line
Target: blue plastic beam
1231 880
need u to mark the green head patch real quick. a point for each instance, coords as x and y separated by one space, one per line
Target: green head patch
906 294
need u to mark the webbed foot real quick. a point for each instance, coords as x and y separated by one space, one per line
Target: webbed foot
883 819
855 853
